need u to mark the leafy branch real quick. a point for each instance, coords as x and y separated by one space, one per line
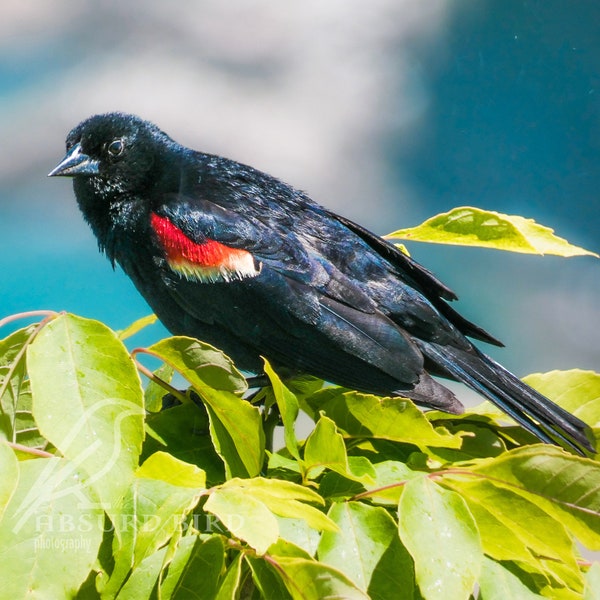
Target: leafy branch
106 493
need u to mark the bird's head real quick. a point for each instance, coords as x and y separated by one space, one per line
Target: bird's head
111 154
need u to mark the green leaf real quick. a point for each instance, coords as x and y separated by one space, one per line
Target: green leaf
288 408
235 425
440 533
51 531
87 400
203 365
514 528
143 580
247 507
299 533
576 390
325 448
267 579
283 467
164 467
230 584
390 477
25 428
246 517
498 583
468 226
237 434
195 570
382 482
309 580
565 486
266 573
368 551
364 416
9 467
286 548
152 511
303 385
336 487
497 539
592 587
541 584
154 393
15 396
284 498
158 501
137 326
183 431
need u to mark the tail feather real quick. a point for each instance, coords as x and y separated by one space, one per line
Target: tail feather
536 413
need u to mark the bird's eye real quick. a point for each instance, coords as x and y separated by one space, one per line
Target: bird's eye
115 148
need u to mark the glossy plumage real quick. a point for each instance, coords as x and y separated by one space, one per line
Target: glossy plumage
237 258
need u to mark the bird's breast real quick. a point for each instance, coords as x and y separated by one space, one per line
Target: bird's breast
206 262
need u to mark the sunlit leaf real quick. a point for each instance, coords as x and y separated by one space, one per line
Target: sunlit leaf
309 580
87 400
50 531
364 415
15 396
200 363
143 579
154 393
183 431
576 390
514 527
153 508
164 467
163 493
235 424
195 570
468 226
299 533
368 551
325 447
592 588
9 467
388 484
564 485
288 408
230 584
498 583
245 516
137 326
441 535
284 498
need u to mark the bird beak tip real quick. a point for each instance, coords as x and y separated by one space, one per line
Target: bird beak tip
75 163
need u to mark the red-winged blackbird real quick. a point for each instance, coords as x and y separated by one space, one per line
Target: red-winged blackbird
237 258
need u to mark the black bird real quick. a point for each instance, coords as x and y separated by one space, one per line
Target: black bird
230 255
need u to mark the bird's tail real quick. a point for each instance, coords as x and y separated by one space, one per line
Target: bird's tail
536 413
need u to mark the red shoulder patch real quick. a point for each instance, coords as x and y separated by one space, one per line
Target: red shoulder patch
209 261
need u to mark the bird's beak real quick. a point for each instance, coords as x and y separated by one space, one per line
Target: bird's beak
75 163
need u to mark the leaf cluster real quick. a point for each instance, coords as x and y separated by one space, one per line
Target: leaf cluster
112 489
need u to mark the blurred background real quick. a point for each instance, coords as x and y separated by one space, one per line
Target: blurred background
388 111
